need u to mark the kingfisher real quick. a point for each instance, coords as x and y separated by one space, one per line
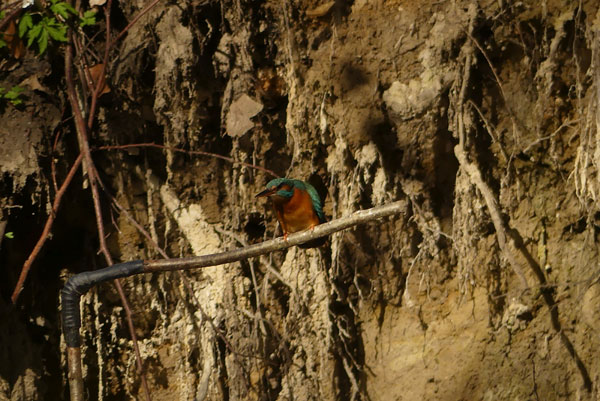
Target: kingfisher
297 205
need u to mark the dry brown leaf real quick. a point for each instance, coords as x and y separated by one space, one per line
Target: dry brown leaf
94 3
95 72
33 83
13 41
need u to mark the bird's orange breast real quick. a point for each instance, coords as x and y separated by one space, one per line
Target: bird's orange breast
298 213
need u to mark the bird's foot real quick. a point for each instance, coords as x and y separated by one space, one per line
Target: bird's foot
285 235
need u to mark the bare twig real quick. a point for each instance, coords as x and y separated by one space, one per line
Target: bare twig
360 217
46 231
13 13
8 5
85 157
190 152
81 129
97 89
132 23
80 283
52 164
75 374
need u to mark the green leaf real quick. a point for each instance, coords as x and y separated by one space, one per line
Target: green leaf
2 44
63 9
25 24
33 33
60 10
89 18
58 32
12 95
9 235
70 8
14 92
43 41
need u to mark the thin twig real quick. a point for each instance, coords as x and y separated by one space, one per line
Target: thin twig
8 17
16 3
97 89
52 163
83 71
46 231
190 152
132 23
81 129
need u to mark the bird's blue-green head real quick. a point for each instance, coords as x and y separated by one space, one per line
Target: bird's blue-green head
283 188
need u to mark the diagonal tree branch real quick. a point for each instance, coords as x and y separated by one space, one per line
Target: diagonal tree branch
80 283
81 128
46 231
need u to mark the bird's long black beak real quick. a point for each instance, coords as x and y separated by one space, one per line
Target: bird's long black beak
267 192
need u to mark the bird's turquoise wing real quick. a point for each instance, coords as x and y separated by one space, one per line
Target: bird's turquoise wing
316 201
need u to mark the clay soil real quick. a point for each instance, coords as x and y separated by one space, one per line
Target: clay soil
483 116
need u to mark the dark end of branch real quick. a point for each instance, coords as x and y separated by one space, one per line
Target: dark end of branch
78 285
